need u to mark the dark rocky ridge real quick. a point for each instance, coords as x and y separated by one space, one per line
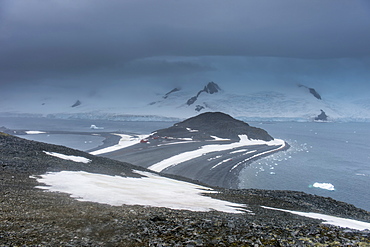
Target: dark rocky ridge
77 103
315 93
217 124
27 157
170 92
210 88
312 91
32 217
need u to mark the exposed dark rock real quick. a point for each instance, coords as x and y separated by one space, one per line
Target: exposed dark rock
214 124
312 91
198 108
322 116
192 100
210 88
315 93
25 156
170 92
77 103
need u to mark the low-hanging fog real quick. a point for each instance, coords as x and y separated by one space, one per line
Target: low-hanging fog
95 49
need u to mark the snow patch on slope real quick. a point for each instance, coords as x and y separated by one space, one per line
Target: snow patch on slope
125 141
331 220
150 190
69 157
182 157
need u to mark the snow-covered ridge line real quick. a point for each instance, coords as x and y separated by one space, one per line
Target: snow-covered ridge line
142 118
149 190
69 157
186 156
331 220
112 117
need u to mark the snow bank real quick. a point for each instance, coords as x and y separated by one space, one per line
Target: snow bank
239 151
191 130
34 132
186 156
219 138
325 186
331 220
151 190
125 141
69 157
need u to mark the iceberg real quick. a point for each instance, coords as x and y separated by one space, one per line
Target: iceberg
325 186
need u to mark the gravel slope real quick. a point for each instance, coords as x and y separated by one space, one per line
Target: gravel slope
32 217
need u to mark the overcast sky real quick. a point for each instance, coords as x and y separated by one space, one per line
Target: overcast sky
87 42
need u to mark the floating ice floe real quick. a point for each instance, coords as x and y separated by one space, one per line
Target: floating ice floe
69 157
150 190
325 186
34 132
125 141
94 127
331 220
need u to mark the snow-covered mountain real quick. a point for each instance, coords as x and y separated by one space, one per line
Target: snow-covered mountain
299 102
294 103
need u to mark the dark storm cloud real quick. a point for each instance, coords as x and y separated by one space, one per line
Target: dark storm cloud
58 39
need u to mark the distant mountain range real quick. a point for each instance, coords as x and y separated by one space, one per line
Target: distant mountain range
289 103
300 103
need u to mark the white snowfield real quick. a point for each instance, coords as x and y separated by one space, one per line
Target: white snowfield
151 190
325 186
331 220
125 141
34 132
186 156
69 157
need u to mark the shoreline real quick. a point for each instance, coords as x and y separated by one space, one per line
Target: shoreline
226 176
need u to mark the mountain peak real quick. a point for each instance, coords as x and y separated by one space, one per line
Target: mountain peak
210 88
208 124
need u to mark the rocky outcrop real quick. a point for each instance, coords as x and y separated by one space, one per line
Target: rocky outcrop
322 116
312 91
219 124
170 92
77 103
210 88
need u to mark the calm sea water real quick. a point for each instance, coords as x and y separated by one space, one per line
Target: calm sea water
77 141
335 153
